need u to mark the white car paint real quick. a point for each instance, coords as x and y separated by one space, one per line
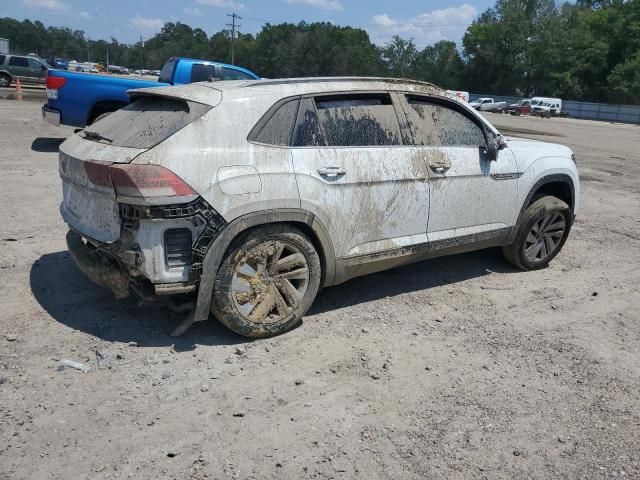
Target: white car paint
381 203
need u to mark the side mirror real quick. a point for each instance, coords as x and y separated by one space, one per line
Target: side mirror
42 67
496 143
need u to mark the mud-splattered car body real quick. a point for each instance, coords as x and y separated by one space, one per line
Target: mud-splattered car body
375 172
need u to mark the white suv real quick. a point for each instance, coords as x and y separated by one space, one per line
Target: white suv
243 198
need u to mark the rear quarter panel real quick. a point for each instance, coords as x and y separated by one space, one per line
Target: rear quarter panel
215 158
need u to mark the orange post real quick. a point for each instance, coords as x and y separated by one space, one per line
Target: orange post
18 90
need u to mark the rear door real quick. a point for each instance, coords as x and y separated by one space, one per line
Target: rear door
19 67
471 196
356 176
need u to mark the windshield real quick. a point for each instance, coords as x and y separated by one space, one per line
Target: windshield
145 122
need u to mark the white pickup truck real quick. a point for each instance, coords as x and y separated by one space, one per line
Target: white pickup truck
488 105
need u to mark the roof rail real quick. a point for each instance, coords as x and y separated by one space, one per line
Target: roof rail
285 81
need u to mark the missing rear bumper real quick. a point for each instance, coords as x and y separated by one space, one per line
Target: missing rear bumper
96 267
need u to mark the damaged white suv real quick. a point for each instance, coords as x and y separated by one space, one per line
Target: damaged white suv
243 198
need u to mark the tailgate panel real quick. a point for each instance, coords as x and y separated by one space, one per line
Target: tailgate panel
89 209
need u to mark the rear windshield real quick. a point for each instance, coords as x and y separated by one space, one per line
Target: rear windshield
145 122
166 74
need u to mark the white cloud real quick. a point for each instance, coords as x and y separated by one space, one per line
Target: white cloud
334 5
48 5
195 11
426 28
148 25
222 4
85 16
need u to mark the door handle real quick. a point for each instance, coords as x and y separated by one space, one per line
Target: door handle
439 167
331 172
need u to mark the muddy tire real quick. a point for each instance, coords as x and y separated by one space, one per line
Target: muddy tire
542 231
268 279
5 80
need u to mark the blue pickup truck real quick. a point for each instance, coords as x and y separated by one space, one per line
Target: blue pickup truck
77 99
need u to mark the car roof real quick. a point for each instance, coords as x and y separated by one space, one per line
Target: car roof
275 89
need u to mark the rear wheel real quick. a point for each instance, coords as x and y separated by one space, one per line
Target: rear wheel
5 80
542 231
266 282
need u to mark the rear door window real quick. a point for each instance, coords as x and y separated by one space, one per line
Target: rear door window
145 122
307 131
358 120
18 62
439 125
201 72
2 59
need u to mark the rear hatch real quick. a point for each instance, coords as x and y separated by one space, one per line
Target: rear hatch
94 168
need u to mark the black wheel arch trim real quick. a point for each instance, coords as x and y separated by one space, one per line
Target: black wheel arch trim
555 178
218 248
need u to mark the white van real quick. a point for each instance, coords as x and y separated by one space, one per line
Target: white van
546 106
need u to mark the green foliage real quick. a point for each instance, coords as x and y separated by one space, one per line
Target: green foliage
587 50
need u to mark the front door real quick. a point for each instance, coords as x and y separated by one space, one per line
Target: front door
472 198
357 177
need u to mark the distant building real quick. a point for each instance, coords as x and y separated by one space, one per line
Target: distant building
4 45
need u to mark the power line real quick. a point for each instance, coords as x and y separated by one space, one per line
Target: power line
233 26
377 25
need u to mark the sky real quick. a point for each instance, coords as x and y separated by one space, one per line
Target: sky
127 20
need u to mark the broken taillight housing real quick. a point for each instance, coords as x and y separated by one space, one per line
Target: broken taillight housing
140 181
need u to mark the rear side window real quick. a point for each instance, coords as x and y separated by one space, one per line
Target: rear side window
145 122
279 127
166 74
439 125
202 73
358 120
2 59
233 74
18 62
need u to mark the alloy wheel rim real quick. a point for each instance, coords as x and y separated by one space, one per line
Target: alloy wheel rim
545 237
270 281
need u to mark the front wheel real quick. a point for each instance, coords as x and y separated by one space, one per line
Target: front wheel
542 231
266 282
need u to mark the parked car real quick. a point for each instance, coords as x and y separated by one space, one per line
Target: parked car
76 99
488 105
459 94
547 107
58 62
23 67
247 197
522 107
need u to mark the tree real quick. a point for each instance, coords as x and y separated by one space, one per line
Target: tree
440 64
399 57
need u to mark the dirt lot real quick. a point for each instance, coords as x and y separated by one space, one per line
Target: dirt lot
459 367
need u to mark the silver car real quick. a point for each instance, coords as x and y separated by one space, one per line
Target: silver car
243 198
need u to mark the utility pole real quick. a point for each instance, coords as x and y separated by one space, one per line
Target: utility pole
233 26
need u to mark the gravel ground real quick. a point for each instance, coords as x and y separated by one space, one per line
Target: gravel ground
460 367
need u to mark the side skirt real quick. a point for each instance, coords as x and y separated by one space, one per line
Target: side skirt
351 267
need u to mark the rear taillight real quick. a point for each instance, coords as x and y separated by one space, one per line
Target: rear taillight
147 181
54 83
141 181
98 173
